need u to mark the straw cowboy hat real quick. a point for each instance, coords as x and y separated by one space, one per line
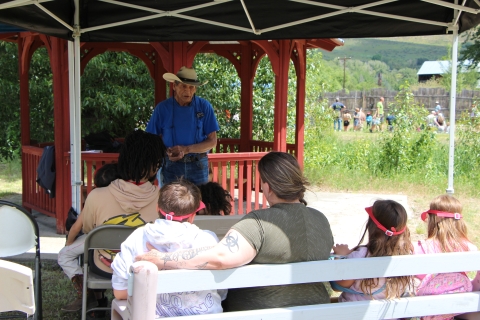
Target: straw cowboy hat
184 75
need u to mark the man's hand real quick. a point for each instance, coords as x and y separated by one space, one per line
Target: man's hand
176 153
154 256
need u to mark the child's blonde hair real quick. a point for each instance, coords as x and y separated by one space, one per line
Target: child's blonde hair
450 233
389 214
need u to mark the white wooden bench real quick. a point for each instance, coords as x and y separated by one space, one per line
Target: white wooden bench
146 282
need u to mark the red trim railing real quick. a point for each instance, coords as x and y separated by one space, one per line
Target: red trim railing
226 145
33 196
91 162
236 172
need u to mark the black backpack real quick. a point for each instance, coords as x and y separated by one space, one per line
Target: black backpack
102 141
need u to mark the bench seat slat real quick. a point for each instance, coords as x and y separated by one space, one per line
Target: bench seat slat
365 310
315 271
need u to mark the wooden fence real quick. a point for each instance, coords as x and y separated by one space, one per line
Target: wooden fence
423 96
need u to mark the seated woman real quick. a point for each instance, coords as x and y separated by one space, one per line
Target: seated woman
286 232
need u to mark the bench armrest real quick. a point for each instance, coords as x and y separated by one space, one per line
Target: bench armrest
142 293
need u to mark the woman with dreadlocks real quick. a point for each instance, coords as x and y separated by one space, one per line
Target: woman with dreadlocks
130 200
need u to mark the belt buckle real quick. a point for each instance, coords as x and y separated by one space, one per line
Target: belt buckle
187 158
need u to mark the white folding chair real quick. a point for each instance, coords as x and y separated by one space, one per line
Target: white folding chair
16 288
19 233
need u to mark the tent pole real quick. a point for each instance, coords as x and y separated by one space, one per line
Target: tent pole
71 93
75 129
453 94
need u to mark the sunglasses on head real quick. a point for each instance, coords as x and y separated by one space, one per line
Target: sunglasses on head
456 216
391 232
171 216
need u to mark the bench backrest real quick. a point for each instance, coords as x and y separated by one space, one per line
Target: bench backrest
144 275
218 224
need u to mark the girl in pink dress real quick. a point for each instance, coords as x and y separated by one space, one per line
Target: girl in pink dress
447 232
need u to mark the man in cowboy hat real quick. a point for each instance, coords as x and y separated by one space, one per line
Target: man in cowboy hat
188 127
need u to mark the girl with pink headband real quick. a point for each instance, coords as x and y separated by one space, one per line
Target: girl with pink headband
446 232
388 235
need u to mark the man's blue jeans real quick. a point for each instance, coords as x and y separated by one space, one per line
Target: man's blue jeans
338 122
195 171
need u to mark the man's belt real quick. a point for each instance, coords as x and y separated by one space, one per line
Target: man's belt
193 157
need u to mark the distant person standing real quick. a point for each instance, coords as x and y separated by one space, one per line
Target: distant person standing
357 122
347 117
369 120
431 119
390 120
338 109
438 107
363 118
379 113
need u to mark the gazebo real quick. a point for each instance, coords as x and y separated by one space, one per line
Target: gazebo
177 30
161 57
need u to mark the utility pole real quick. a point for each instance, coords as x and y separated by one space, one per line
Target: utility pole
344 63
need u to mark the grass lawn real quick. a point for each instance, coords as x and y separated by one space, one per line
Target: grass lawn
10 178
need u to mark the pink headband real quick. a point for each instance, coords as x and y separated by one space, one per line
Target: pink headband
455 215
171 216
391 232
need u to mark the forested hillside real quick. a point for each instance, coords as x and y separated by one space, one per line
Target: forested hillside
389 62
397 53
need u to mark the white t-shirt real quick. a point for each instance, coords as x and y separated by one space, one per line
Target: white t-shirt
169 236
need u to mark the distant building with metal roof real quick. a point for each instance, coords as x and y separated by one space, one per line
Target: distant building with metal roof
436 69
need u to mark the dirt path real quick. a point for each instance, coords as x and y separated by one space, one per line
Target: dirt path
346 212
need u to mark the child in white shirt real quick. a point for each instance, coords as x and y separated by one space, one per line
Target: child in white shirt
178 203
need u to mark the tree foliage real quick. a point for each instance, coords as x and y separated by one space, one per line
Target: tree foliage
117 94
471 49
10 97
222 90
41 97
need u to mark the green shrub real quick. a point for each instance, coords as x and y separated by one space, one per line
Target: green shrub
406 154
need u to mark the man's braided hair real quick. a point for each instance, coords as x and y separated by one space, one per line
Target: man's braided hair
141 155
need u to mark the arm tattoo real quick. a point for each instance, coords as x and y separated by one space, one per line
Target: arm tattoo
171 256
201 266
191 253
231 242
